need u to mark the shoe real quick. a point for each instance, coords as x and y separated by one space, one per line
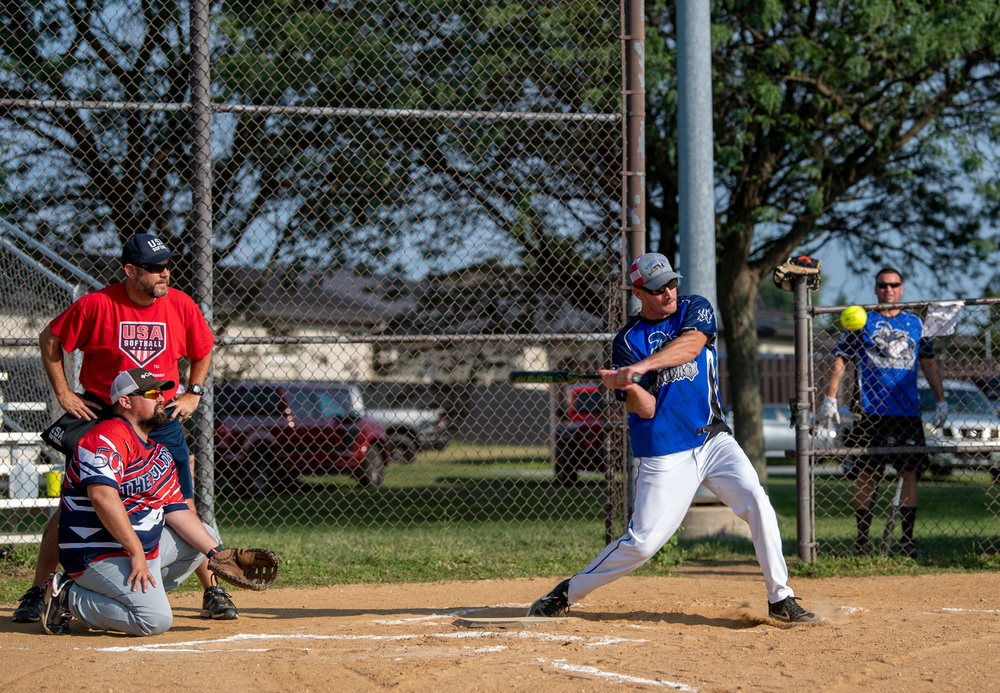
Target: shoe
56 614
555 603
217 605
32 604
862 546
908 548
789 610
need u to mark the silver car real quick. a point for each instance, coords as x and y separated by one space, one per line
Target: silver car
972 426
779 434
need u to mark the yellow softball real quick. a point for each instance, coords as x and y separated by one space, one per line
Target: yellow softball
853 318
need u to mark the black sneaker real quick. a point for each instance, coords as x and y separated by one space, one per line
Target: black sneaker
555 603
217 605
56 614
908 548
32 604
789 610
862 546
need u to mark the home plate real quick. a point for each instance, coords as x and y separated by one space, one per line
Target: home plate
508 621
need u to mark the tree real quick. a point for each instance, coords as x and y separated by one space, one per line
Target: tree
298 191
871 122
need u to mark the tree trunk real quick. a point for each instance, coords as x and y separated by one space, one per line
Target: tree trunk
738 285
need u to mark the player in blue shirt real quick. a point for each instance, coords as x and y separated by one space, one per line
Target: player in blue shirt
681 440
885 353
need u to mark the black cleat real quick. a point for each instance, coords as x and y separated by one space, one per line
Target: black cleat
217 605
31 607
789 610
56 614
862 546
555 603
908 548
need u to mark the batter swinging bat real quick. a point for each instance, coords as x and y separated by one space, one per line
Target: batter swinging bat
890 520
557 377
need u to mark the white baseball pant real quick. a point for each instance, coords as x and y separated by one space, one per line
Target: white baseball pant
665 487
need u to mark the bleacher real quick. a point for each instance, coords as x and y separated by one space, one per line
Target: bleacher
24 486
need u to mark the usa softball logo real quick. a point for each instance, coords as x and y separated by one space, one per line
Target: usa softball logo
142 341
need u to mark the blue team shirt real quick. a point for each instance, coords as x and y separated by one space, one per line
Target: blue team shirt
687 396
111 453
886 353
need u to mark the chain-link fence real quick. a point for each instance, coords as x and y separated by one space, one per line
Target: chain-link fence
906 452
407 201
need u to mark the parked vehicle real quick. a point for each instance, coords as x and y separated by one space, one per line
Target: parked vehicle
972 425
267 434
779 434
410 429
579 444
990 386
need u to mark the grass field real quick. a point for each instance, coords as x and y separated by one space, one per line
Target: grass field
474 512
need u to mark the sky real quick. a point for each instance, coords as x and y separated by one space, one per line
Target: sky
922 285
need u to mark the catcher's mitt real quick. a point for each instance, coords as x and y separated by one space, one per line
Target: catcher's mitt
252 569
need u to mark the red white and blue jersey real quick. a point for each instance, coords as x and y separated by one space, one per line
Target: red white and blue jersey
111 453
687 396
886 353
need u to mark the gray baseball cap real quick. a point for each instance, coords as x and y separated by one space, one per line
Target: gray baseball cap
136 380
651 271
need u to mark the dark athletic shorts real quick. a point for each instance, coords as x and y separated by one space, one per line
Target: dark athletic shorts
886 432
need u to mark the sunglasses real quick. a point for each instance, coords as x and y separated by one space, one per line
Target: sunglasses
888 285
146 394
153 269
670 285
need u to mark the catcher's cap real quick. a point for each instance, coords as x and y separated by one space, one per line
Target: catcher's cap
136 380
651 271
145 248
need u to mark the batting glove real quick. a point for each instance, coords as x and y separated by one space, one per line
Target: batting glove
828 413
940 415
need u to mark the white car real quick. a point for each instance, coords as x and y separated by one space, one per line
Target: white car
972 426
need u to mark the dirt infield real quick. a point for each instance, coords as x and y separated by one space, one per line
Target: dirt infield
704 630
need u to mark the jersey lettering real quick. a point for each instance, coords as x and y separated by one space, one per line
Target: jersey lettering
142 342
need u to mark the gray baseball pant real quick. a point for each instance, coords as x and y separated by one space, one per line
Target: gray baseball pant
102 600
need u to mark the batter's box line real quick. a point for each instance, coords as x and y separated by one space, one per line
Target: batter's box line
187 646
449 614
956 610
613 677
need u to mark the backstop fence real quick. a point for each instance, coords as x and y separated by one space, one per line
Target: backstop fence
388 205
873 468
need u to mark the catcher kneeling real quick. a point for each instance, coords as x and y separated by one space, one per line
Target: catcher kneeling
126 536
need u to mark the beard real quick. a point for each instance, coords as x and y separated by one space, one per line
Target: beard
147 285
154 420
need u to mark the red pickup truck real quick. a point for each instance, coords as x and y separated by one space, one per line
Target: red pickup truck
580 437
268 433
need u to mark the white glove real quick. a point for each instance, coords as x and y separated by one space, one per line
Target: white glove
940 415
828 413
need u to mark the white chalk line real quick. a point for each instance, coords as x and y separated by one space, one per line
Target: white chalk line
194 645
613 677
955 610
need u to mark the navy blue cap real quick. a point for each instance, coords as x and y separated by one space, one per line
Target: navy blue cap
145 248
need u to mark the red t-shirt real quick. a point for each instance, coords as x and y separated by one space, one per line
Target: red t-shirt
115 333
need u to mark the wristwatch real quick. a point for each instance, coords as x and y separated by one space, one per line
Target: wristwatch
196 390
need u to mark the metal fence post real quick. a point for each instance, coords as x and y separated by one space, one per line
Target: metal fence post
201 224
801 406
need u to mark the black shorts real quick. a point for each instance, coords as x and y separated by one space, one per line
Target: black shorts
886 432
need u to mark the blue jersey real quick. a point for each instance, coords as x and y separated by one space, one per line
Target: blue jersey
687 396
886 353
111 453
